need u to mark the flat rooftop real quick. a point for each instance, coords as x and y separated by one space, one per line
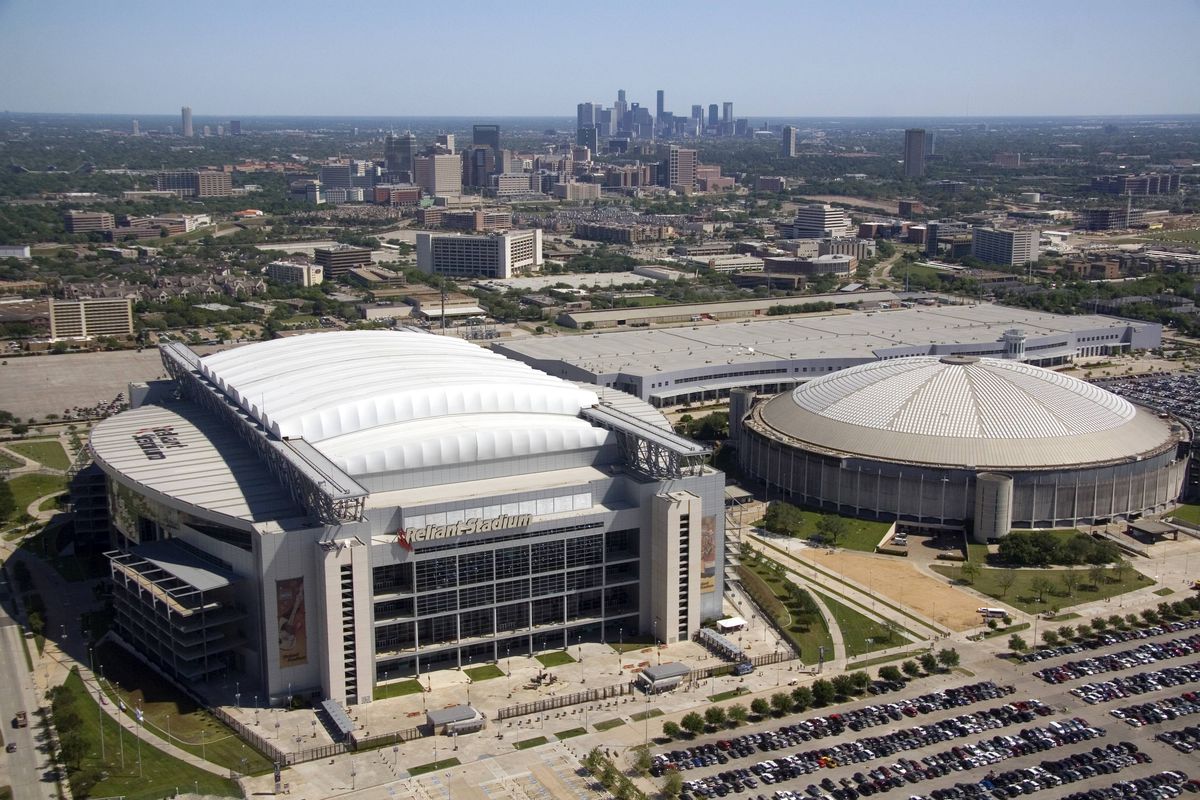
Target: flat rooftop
825 336
575 280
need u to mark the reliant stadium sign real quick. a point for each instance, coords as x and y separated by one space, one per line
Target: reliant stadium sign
406 538
154 442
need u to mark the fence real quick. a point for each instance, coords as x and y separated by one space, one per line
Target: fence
551 703
384 739
246 734
725 669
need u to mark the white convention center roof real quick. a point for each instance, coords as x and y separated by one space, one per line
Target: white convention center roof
376 401
965 411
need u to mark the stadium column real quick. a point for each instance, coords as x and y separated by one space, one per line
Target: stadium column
675 551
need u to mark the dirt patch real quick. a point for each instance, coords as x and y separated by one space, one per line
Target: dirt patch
900 582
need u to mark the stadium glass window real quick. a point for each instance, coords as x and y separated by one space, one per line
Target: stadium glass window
507 591
512 562
585 551
475 596
546 556
514 617
437 573
475 568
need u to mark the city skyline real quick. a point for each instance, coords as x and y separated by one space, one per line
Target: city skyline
1035 60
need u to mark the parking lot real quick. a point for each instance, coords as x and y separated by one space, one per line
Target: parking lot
1175 394
971 738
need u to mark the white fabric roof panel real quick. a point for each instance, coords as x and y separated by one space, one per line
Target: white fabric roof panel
985 413
387 400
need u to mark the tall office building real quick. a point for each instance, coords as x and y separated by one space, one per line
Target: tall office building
930 143
486 135
788 150
187 122
659 106
713 119
195 183
90 317
439 175
620 109
698 113
399 151
680 169
589 138
1012 248
820 221
914 153
136 128
727 113
446 142
492 255
585 115
235 127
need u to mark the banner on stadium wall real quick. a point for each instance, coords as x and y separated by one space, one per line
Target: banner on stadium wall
293 625
708 554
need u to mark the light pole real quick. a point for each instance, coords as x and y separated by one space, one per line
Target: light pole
139 740
237 694
657 652
620 650
100 709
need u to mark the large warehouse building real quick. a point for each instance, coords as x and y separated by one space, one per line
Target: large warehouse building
322 512
961 442
702 362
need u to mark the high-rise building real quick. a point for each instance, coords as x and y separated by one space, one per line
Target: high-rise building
680 169
83 319
295 273
341 258
1148 184
235 127
788 150
186 112
1005 246
494 255
136 128
659 106
698 113
727 112
195 183
589 138
486 135
85 221
914 153
585 115
439 175
446 142
713 119
930 143
819 221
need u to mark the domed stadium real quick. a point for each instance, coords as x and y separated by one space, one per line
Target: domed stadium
962 442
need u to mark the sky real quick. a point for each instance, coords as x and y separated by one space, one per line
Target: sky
793 58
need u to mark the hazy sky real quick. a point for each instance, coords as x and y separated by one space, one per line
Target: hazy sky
786 58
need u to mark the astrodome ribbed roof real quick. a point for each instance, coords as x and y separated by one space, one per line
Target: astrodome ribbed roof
964 410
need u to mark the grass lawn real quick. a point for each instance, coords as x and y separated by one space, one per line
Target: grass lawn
871 662
644 715
1009 631
1163 592
1188 236
807 642
555 658
732 693
46 451
8 462
192 728
5 793
857 628
977 553
609 724
536 741
161 773
1021 595
49 504
484 673
434 766
861 534
398 689
1188 513
1064 617
641 302
29 487
630 645
570 734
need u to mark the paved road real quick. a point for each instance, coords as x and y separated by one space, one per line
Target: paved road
28 765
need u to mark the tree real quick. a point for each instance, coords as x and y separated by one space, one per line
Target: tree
948 658
1017 644
673 783
910 668
1006 579
672 730
693 723
831 528
842 685
1070 580
1116 621
1119 569
738 714
1083 631
1066 631
890 673
641 759
970 571
1041 585
1100 624
861 680
1095 576
36 623
781 703
928 663
802 696
760 707
715 716
1051 638
823 692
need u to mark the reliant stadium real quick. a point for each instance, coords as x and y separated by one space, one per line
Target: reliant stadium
961 442
318 513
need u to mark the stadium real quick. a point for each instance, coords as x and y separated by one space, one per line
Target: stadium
961 442
323 513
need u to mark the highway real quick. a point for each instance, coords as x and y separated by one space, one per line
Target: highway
27 767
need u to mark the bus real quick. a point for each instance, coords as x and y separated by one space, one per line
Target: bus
992 613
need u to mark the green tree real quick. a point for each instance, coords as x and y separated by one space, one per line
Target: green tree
8 504
672 783
1066 631
738 714
823 692
36 623
641 759
910 668
693 723
760 707
890 673
1005 579
1051 638
1041 585
802 696
1096 576
1017 644
970 571
715 716
672 730
861 680
1084 631
843 686
781 703
1070 580
831 528
948 658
